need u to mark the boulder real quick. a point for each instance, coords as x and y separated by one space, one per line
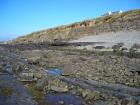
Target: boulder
42 83
59 89
8 68
27 76
56 85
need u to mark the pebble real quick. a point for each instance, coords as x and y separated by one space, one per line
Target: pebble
61 102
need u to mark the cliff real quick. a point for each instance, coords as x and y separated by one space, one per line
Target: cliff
129 20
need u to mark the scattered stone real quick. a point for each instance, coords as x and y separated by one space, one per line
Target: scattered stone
100 102
105 68
92 96
61 102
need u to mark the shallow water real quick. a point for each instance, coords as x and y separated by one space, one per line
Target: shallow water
68 99
56 72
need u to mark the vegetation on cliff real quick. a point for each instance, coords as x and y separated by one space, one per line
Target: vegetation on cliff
129 20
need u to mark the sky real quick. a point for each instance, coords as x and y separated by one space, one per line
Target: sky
20 17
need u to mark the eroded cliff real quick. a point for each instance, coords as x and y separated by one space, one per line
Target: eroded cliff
129 20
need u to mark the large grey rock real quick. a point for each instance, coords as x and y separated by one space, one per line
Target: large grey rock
8 68
59 89
27 76
56 85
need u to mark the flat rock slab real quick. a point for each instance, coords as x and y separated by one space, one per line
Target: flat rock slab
13 93
117 90
67 70
63 99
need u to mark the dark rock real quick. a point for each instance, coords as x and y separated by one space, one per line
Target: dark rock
42 83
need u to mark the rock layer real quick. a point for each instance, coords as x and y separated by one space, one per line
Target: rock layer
129 20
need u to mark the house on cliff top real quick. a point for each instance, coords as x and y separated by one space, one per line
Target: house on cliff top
112 13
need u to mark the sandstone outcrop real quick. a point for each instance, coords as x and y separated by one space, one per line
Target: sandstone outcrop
129 20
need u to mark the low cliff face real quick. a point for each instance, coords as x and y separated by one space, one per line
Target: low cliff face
129 20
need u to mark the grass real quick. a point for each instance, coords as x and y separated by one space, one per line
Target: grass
114 17
7 91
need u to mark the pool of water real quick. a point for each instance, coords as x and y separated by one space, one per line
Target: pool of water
65 98
56 72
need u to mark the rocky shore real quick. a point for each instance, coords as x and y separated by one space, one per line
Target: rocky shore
95 79
66 66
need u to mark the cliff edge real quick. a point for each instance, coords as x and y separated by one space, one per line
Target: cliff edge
129 20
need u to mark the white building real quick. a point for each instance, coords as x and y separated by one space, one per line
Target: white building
113 13
120 11
109 12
